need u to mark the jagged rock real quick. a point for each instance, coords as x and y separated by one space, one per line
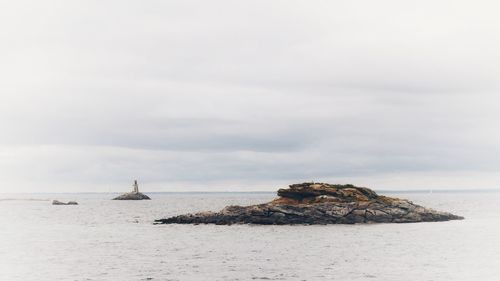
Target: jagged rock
133 195
57 202
320 203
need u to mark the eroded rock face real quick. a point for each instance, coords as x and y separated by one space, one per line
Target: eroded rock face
320 203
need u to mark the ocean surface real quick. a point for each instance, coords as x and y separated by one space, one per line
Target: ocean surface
102 239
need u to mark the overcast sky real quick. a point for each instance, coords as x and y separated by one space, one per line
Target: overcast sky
248 95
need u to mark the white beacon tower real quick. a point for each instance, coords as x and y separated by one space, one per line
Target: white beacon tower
136 187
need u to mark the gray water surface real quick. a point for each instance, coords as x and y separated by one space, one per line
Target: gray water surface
101 239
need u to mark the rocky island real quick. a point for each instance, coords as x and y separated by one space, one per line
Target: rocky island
319 203
133 195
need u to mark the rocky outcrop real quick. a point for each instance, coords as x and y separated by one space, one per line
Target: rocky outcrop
320 203
57 202
133 195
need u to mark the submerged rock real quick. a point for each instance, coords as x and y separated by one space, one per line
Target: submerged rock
133 195
320 203
57 202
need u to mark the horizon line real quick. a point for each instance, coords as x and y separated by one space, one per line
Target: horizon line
428 190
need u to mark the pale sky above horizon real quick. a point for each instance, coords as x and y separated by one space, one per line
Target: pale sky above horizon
248 95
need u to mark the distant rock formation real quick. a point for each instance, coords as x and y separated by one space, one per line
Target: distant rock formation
57 202
320 203
134 195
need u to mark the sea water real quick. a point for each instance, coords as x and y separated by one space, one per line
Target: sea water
101 239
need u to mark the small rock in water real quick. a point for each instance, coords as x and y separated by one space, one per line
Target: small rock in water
133 195
57 202
320 203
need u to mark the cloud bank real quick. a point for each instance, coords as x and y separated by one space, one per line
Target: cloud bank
225 95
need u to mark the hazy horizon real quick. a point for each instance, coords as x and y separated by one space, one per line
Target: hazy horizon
253 95
379 191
